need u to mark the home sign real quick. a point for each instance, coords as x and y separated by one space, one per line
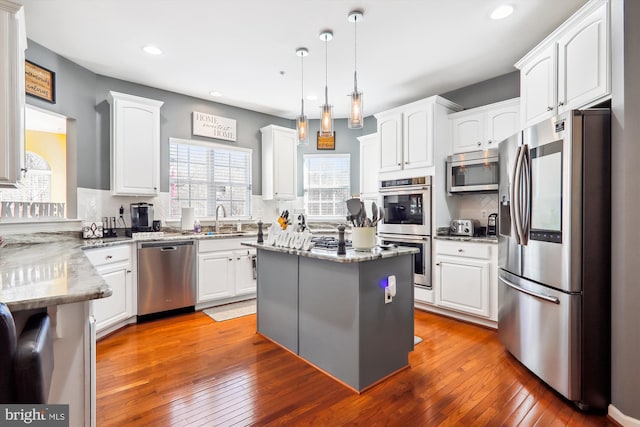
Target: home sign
214 126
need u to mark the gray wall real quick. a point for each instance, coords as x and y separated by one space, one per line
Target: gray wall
175 122
75 98
625 194
82 95
499 88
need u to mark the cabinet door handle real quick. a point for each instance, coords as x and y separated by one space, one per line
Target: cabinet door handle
490 141
128 271
230 259
238 258
460 250
560 104
155 188
437 264
549 108
108 257
406 163
399 164
479 143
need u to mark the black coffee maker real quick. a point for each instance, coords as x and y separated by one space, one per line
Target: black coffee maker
141 217
492 225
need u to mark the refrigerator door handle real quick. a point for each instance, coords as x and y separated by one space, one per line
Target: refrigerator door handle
528 292
516 196
526 211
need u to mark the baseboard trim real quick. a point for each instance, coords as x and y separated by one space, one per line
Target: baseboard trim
622 419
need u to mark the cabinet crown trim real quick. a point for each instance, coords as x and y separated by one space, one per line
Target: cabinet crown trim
436 99
581 13
487 107
117 96
272 127
10 6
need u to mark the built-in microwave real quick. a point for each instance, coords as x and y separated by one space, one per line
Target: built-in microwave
473 171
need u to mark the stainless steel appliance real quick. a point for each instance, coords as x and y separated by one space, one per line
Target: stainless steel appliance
473 171
141 217
464 227
407 220
554 253
422 260
166 276
407 206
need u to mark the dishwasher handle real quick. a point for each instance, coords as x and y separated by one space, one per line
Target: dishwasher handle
168 248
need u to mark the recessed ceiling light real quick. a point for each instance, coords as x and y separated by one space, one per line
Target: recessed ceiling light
215 93
502 11
312 97
152 50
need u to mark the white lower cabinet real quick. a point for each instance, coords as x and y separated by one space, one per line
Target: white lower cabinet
463 284
215 271
465 281
114 265
225 270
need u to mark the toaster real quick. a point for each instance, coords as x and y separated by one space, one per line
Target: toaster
463 227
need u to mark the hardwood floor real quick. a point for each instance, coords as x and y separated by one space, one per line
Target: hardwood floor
189 370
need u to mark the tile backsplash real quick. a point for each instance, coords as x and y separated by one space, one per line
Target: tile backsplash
471 206
95 204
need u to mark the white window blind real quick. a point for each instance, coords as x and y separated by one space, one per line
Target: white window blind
326 184
205 175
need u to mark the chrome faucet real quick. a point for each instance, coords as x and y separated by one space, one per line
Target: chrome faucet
224 214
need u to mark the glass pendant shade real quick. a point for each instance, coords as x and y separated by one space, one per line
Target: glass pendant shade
356 120
302 127
326 120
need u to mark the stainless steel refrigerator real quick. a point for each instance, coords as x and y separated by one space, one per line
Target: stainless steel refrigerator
554 253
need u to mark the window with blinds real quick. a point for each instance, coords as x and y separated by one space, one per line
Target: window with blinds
326 185
205 175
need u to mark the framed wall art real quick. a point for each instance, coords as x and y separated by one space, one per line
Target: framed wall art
40 82
326 142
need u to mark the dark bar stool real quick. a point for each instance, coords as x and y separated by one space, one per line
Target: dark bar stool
26 361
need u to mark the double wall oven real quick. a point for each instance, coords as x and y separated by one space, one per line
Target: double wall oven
407 220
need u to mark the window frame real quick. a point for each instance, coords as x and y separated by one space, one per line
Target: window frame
213 146
304 178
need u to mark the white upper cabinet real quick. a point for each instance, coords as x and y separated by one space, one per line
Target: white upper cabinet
135 145
369 165
484 127
390 133
406 134
583 61
570 69
12 92
279 163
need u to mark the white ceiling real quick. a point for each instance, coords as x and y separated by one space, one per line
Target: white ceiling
245 49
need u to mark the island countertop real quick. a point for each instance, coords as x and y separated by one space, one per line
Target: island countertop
331 254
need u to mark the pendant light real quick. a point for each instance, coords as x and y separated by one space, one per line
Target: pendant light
356 121
326 117
302 124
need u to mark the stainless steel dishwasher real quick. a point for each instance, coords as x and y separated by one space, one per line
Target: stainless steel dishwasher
166 276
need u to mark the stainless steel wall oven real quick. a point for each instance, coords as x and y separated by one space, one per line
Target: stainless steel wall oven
407 220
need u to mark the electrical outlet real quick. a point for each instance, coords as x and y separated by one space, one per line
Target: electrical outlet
484 214
387 296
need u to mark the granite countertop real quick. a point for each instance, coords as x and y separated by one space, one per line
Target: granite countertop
44 269
482 239
47 269
331 255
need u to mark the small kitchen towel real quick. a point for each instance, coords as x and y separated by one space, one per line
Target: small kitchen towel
231 311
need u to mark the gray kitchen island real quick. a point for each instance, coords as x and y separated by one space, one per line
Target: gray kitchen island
331 309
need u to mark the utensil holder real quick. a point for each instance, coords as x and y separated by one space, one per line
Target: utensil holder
363 238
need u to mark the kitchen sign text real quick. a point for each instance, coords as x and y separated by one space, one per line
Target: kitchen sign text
214 126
